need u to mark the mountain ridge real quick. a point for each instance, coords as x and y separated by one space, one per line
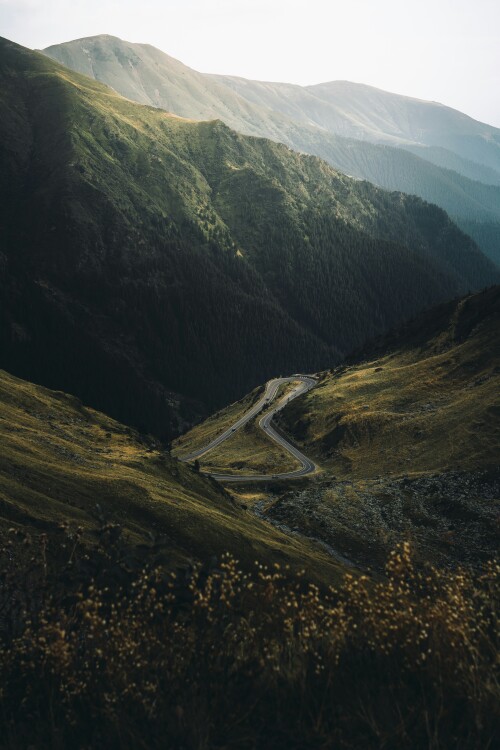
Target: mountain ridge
267 93
280 112
138 236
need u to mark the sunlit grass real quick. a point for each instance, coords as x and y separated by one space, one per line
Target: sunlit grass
249 451
63 462
422 409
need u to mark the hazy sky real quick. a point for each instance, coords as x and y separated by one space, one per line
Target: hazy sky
444 50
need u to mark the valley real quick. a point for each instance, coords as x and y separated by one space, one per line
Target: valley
301 384
154 248
407 441
131 559
65 466
249 400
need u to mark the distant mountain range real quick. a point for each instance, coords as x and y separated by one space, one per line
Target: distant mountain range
158 267
397 142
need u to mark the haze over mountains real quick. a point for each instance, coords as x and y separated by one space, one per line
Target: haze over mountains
184 263
397 142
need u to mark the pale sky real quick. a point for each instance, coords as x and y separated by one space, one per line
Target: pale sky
442 50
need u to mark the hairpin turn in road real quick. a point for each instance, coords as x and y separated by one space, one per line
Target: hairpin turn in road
306 382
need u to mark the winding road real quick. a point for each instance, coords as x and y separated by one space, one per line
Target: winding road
306 382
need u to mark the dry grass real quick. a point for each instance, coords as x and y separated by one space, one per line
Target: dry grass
62 462
423 409
249 451
215 425
216 658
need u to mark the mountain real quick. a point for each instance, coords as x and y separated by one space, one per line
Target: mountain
145 74
358 111
406 436
427 149
158 267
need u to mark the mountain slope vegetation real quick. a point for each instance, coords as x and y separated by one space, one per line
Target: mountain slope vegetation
424 402
65 466
157 267
409 440
407 437
396 142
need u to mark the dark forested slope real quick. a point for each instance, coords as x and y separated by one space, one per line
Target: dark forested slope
156 266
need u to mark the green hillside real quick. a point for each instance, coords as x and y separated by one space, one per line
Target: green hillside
427 403
407 438
148 76
396 142
65 465
170 266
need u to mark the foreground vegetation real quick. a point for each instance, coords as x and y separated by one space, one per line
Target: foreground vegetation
212 657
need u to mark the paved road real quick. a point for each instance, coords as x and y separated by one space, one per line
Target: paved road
305 383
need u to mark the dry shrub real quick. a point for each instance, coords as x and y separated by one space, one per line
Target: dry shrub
215 657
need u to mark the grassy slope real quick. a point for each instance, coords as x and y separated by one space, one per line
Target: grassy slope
60 460
425 407
214 425
249 450
146 75
408 440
